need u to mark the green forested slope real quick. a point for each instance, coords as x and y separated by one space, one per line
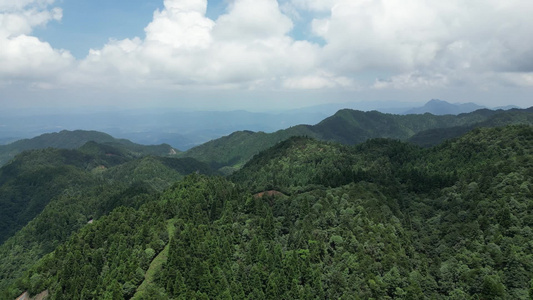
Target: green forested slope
47 194
436 136
74 139
229 153
380 220
29 182
352 127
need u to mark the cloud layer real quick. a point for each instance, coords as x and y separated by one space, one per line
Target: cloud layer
367 44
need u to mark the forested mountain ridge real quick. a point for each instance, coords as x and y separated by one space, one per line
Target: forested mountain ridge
300 161
47 194
436 136
74 139
382 219
439 107
351 127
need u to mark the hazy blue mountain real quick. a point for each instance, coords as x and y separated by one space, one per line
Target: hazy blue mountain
439 107
328 109
8 140
186 129
506 107
181 129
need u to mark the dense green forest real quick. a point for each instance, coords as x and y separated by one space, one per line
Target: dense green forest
349 127
47 194
305 219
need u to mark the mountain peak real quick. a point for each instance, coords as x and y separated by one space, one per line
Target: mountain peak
441 107
436 101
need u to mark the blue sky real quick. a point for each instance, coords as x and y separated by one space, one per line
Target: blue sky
90 24
259 54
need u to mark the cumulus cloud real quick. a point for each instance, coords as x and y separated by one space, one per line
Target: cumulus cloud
314 5
253 20
420 43
412 80
25 57
17 5
422 40
248 47
181 25
318 81
406 44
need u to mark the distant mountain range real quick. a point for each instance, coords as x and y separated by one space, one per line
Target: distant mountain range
186 129
439 107
181 129
349 127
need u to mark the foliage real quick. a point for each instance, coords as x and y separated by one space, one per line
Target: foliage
380 220
47 194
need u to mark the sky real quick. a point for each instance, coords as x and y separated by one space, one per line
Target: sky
263 54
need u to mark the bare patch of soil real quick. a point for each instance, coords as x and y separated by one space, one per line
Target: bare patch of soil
26 296
268 193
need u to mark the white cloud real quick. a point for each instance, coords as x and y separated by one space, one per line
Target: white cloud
314 5
524 79
412 80
248 48
26 56
22 22
252 20
407 44
318 81
181 25
17 5
22 56
426 38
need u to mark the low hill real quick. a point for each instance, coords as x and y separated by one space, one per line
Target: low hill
75 139
47 194
229 153
352 127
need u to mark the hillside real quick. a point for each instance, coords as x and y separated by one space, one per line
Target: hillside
352 127
47 194
383 219
75 139
230 152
